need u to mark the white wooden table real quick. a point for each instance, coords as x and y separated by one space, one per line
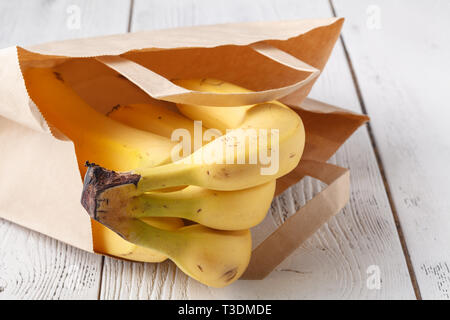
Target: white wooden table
391 63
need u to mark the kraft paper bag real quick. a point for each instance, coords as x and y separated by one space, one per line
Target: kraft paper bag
40 180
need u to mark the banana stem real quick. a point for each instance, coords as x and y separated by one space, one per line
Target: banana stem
169 175
154 205
143 234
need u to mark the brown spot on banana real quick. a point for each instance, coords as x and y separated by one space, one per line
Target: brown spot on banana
230 274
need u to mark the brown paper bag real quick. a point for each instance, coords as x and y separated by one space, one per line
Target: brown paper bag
276 60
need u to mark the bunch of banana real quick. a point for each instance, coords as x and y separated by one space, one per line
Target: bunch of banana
143 197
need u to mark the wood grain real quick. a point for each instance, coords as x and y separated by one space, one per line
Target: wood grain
33 266
335 261
399 51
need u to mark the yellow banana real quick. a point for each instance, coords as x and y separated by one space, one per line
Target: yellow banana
108 242
213 257
216 173
223 210
104 141
96 137
222 118
152 118
159 120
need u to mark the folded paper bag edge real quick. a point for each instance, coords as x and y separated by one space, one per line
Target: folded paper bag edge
305 222
161 88
210 36
15 103
40 185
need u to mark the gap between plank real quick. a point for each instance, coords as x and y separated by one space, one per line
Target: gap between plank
130 16
102 266
405 250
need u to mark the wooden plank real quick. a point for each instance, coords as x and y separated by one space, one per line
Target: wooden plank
335 261
33 266
31 22
400 51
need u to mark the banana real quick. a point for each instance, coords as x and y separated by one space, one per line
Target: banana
213 257
104 141
108 242
159 120
216 173
96 137
152 118
222 118
223 210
